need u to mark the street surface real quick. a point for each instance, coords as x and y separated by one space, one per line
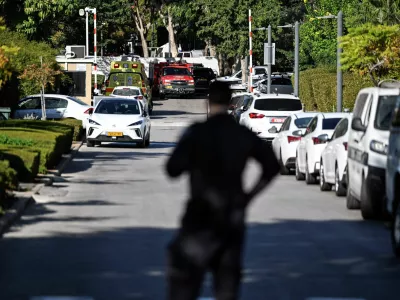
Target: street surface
101 231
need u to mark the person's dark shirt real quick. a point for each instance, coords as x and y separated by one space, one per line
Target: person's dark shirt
215 153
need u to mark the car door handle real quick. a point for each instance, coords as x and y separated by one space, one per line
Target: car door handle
356 141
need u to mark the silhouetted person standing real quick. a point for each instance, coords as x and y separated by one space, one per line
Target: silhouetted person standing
211 237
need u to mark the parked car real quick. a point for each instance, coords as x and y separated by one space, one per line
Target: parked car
279 84
236 78
393 180
333 166
202 78
312 143
118 120
237 101
57 107
132 92
246 100
266 113
285 143
367 155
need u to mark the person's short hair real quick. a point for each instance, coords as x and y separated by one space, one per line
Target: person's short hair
220 93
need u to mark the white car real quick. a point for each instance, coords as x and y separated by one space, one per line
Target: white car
131 92
57 107
285 143
118 120
333 167
312 143
265 114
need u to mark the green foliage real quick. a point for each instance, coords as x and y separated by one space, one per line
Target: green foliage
8 180
318 89
6 140
77 125
372 50
25 161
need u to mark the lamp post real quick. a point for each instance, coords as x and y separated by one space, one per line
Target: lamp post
88 10
296 54
269 28
339 100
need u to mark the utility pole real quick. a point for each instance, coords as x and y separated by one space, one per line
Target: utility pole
87 31
250 82
339 101
44 116
296 57
269 58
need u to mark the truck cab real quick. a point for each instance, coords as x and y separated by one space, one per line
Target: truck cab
176 79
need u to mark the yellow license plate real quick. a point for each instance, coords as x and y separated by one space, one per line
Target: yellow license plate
114 134
168 87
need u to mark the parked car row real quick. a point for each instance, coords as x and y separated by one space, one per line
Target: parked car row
357 154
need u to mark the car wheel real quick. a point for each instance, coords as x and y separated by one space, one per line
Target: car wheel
395 231
340 190
147 142
299 175
162 96
323 185
89 143
283 170
310 178
369 209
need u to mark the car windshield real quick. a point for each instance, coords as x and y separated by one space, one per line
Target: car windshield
118 107
234 100
330 124
273 104
202 72
384 112
302 122
126 92
280 81
77 101
175 71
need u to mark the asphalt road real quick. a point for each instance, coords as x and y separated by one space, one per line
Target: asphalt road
101 231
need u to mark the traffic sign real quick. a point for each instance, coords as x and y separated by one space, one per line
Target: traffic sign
266 56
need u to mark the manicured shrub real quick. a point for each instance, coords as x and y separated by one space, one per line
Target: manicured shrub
77 125
25 161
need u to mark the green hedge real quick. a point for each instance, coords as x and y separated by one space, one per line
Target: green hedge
50 144
54 127
25 161
318 89
77 125
8 180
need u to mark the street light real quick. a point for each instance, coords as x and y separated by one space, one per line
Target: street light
88 10
339 17
296 54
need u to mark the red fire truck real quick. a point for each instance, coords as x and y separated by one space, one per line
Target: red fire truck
173 78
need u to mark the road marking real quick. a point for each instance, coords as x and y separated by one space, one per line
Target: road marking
60 298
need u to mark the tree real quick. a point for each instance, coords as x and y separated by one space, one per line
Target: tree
41 76
372 50
143 16
6 52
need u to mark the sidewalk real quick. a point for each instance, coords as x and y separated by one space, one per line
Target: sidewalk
25 198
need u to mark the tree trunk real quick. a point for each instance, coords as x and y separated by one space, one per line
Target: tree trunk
221 64
171 35
142 31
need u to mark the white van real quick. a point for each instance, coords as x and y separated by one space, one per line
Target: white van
367 149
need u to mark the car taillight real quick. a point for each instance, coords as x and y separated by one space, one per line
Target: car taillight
256 116
317 141
293 139
88 111
345 145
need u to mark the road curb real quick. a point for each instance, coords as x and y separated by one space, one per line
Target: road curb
24 199
15 212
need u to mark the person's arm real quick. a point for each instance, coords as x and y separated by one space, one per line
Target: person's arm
263 154
179 160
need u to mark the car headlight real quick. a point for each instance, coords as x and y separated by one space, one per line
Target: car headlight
93 122
378 147
136 123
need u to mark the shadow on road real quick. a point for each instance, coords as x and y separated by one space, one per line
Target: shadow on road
288 259
173 113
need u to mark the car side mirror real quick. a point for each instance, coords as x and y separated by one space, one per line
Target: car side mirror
323 138
297 133
357 125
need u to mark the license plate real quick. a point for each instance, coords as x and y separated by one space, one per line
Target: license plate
277 120
114 134
168 87
202 79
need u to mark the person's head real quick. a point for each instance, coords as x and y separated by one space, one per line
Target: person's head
219 95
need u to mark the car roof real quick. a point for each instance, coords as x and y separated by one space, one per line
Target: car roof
47 95
305 114
275 96
331 115
126 87
380 90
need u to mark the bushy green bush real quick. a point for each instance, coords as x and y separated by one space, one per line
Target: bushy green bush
25 161
318 89
77 125
8 180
